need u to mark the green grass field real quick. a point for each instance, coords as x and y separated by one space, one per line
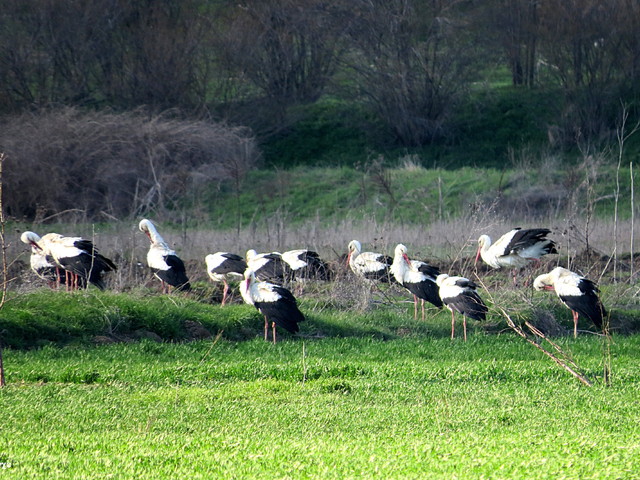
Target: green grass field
359 394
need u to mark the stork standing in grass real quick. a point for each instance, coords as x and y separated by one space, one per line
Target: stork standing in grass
277 304
515 249
459 295
417 277
225 266
306 264
268 266
163 261
79 258
45 267
369 265
576 292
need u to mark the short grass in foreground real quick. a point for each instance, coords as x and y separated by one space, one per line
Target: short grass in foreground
356 407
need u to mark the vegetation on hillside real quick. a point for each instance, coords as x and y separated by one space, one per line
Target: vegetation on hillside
408 62
406 193
451 83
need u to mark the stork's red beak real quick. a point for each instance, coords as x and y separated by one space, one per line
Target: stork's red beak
477 255
406 259
348 258
36 246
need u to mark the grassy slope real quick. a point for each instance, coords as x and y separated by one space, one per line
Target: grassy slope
330 162
409 193
493 119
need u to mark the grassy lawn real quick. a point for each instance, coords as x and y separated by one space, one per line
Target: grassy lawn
356 406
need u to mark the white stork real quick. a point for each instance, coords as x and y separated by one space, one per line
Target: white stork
163 261
459 295
369 265
268 266
225 266
516 248
417 277
577 293
45 267
277 304
79 258
306 264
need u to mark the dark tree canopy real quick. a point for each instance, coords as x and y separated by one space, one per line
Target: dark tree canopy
257 63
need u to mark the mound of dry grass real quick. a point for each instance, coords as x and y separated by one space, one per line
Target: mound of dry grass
99 165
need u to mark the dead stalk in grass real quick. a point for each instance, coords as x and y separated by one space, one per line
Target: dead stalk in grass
5 276
562 358
213 344
565 362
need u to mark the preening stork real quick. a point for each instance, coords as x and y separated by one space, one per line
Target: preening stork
306 264
225 266
163 261
459 295
515 249
268 266
277 304
577 293
79 258
45 267
369 265
417 277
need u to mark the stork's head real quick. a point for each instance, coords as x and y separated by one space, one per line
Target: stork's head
483 243
401 251
146 227
31 238
441 278
543 282
354 247
149 229
249 277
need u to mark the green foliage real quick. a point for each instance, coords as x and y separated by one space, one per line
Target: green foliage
500 118
484 127
329 132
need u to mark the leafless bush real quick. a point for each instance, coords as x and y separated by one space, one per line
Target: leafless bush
104 164
408 65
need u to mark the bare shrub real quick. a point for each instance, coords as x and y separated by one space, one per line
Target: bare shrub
410 64
114 165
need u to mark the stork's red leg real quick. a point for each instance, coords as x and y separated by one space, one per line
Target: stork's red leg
224 292
422 305
464 326
266 328
273 332
453 324
415 307
575 324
